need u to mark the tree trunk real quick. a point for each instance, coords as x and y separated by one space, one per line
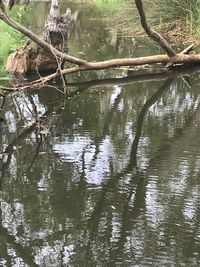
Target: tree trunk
31 57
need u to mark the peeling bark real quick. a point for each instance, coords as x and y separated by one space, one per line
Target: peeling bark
30 58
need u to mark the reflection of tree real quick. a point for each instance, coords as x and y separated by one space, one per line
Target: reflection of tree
98 222
29 129
9 241
147 105
136 186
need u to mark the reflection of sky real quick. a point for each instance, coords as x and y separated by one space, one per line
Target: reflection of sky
81 146
48 255
26 109
116 91
9 116
154 210
13 216
189 210
166 190
174 103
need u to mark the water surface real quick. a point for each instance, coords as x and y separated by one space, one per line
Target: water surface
108 177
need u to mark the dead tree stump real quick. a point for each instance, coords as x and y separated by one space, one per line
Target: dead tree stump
31 58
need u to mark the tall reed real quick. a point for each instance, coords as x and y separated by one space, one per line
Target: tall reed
184 14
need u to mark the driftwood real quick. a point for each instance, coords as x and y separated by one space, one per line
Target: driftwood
31 58
169 59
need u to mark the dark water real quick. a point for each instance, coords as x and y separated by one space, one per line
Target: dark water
108 177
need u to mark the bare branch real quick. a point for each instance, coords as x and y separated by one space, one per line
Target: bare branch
151 33
188 49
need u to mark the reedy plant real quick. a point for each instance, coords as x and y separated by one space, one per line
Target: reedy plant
184 14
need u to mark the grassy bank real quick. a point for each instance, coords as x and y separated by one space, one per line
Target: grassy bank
179 19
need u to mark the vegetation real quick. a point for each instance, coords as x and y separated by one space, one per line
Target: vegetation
11 38
108 5
177 17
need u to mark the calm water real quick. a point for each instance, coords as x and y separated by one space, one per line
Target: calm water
108 177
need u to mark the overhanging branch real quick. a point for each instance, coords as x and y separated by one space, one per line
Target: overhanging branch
151 33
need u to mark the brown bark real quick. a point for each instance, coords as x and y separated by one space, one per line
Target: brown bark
179 59
30 58
133 77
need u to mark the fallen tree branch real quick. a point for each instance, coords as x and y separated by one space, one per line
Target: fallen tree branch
188 49
179 59
84 64
133 77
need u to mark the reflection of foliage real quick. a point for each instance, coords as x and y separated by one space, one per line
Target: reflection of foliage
95 39
175 18
120 17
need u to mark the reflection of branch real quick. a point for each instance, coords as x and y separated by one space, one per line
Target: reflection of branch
112 183
23 252
129 214
3 102
141 116
39 143
104 132
141 182
147 105
1 107
9 149
134 77
172 150
141 77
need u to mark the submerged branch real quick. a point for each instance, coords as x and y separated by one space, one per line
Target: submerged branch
132 77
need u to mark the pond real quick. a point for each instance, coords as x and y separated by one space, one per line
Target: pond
109 176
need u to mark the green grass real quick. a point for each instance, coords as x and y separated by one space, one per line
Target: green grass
184 14
10 38
108 6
